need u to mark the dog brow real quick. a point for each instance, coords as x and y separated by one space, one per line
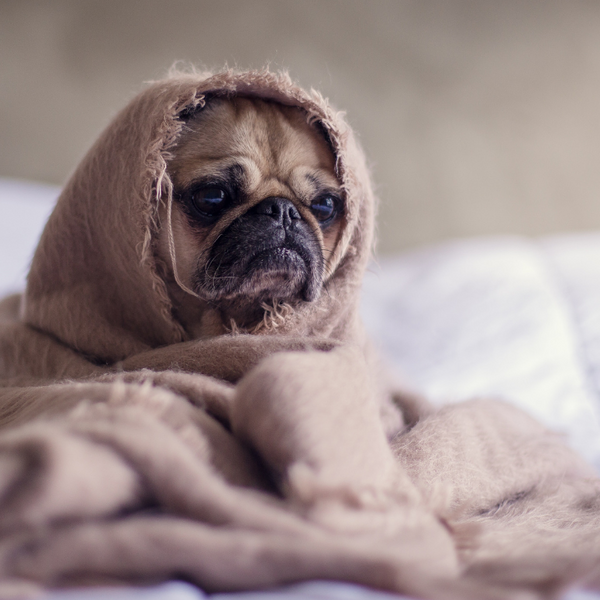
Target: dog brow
322 182
237 175
233 175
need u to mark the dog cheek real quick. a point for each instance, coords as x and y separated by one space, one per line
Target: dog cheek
312 288
311 292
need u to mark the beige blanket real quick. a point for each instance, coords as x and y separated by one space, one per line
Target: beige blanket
130 452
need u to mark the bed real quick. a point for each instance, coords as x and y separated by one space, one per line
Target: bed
503 317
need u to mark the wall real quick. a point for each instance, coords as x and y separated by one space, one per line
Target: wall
479 116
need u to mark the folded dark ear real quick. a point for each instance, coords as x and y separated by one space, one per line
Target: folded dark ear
322 130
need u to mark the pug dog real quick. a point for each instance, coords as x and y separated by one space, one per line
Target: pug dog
257 210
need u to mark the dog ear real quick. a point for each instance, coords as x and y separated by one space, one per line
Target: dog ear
322 130
189 112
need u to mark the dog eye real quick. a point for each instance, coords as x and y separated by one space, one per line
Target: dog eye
324 209
209 201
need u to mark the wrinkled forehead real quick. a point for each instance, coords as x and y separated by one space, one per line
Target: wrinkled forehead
273 136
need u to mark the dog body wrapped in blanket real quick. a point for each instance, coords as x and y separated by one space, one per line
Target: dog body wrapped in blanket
187 390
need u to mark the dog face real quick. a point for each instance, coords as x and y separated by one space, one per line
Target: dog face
257 207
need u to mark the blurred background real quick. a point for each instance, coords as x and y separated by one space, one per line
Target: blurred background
478 116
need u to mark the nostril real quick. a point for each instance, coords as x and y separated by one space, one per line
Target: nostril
281 209
293 212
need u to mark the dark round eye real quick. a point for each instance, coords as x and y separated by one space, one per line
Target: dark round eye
324 209
209 201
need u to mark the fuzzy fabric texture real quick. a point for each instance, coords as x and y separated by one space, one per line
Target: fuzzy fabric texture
131 453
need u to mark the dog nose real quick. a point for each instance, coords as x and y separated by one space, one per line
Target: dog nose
280 209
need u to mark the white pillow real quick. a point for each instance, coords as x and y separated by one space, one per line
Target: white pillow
495 317
24 209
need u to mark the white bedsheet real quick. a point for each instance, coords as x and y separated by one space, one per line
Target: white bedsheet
502 317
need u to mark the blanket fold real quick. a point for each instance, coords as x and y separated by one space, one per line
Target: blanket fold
132 451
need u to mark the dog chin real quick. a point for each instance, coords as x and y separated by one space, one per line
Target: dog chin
273 284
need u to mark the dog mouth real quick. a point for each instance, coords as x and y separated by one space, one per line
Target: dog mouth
278 272
271 258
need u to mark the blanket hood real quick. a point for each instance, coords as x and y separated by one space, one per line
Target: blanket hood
94 283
